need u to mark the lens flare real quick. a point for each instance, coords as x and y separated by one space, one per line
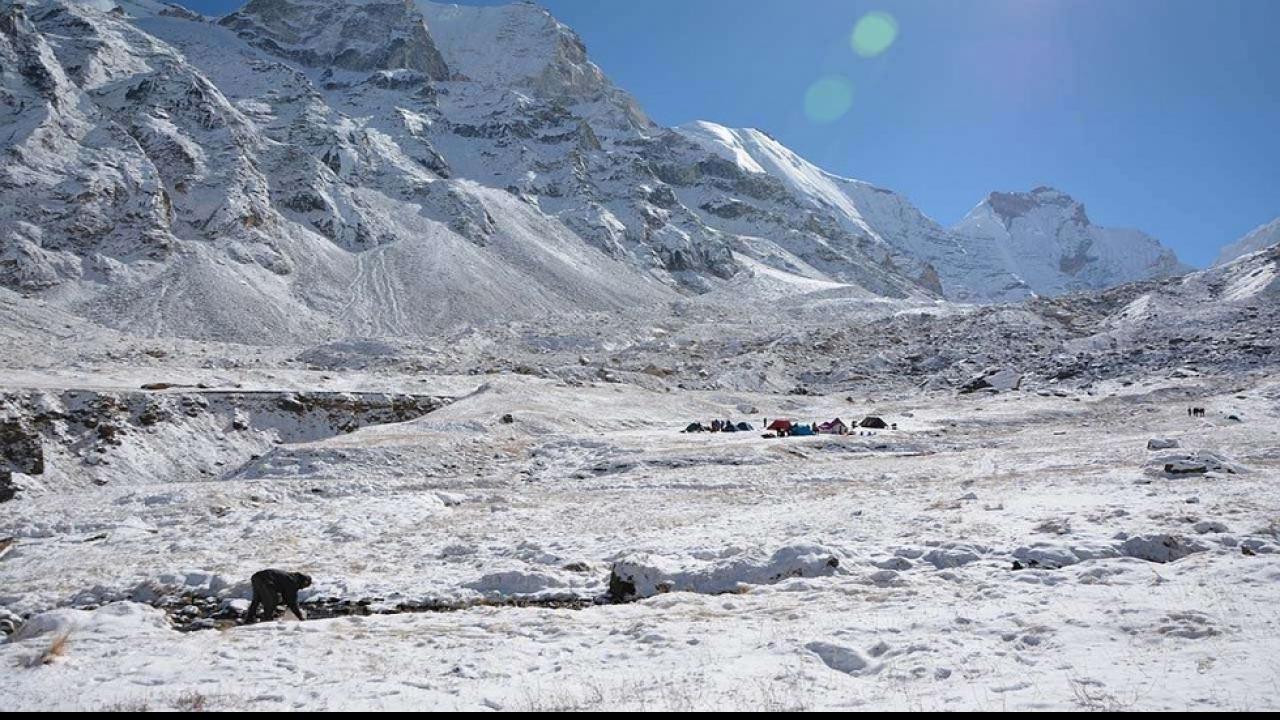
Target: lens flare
828 99
874 33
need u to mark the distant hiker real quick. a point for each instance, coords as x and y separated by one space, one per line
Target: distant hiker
270 588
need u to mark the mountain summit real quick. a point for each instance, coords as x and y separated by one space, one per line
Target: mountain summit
1046 238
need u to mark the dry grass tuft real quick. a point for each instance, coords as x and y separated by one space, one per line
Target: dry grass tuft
192 701
57 649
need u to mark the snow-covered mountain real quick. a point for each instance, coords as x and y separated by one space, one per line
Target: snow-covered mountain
1228 303
305 168
137 192
1260 238
885 223
359 35
1045 238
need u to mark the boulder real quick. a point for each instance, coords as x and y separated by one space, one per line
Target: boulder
951 556
1197 462
994 380
1160 548
1161 444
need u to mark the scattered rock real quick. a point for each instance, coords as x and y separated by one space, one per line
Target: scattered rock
1161 444
292 403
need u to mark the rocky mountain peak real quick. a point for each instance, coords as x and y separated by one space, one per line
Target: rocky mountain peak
522 46
359 35
1011 205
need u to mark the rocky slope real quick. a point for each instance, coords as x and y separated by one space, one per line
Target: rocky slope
138 193
310 169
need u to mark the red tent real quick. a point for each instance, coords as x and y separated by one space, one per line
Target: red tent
780 426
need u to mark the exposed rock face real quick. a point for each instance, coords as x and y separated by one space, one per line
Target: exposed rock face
359 35
20 452
104 437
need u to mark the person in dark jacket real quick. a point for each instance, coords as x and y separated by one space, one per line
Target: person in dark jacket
270 588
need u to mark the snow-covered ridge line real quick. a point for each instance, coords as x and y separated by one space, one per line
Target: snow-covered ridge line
1260 238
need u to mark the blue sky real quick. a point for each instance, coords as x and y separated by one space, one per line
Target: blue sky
1162 115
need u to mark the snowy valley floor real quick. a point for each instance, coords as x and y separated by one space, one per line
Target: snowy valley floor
1138 590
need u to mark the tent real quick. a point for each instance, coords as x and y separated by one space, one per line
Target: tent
873 422
694 427
744 426
780 426
802 431
833 427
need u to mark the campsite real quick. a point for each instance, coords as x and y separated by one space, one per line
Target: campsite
649 356
784 427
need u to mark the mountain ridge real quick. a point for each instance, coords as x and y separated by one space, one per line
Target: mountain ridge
269 149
